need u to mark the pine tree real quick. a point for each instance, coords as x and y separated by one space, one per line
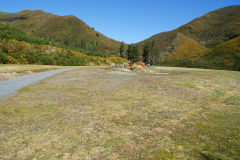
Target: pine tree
155 58
122 50
129 52
146 52
150 53
135 54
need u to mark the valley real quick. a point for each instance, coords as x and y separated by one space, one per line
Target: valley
68 91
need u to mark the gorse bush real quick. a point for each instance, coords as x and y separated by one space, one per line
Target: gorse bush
16 47
88 47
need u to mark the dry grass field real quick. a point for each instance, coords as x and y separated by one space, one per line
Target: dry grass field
101 113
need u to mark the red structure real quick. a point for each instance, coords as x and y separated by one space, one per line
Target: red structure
130 64
141 64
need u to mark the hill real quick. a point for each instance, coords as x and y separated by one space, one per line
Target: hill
220 25
16 47
199 37
66 30
224 56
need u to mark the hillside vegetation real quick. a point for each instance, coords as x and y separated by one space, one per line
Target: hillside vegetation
186 47
205 42
210 41
66 30
224 56
16 47
220 25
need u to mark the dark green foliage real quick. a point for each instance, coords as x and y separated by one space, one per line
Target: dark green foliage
146 52
155 56
122 50
89 45
213 44
9 32
135 53
151 53
3 57
90 53
129 52
66 40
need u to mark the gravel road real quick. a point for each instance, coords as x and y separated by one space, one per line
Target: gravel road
10 86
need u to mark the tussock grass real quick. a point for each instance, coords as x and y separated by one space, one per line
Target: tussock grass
91 114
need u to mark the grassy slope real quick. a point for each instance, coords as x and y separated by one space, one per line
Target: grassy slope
191 114
224 56
210 30
19 53
186 48
19 48
220 24
42 24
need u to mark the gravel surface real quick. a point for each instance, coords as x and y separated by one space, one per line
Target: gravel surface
10 86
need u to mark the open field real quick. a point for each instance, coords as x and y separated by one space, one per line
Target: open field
100 113
9 71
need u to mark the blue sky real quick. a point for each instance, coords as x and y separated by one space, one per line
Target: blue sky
124 20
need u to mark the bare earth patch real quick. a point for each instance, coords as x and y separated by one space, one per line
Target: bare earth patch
99 113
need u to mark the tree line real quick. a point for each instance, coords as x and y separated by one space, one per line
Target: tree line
151 54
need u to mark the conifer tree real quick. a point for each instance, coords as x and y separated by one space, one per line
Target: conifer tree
122 50
135 54
129 52
146 52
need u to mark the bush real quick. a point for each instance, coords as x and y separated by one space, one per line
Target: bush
3 57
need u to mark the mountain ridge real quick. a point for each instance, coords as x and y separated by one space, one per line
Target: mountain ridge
62 28
206 28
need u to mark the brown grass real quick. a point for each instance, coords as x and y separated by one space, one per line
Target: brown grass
93 113
9 71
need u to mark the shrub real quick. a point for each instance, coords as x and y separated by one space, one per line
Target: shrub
3 57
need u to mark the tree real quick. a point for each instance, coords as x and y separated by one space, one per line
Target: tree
122 50
146 52
129 52
151 54
66 40
135 54
155 56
